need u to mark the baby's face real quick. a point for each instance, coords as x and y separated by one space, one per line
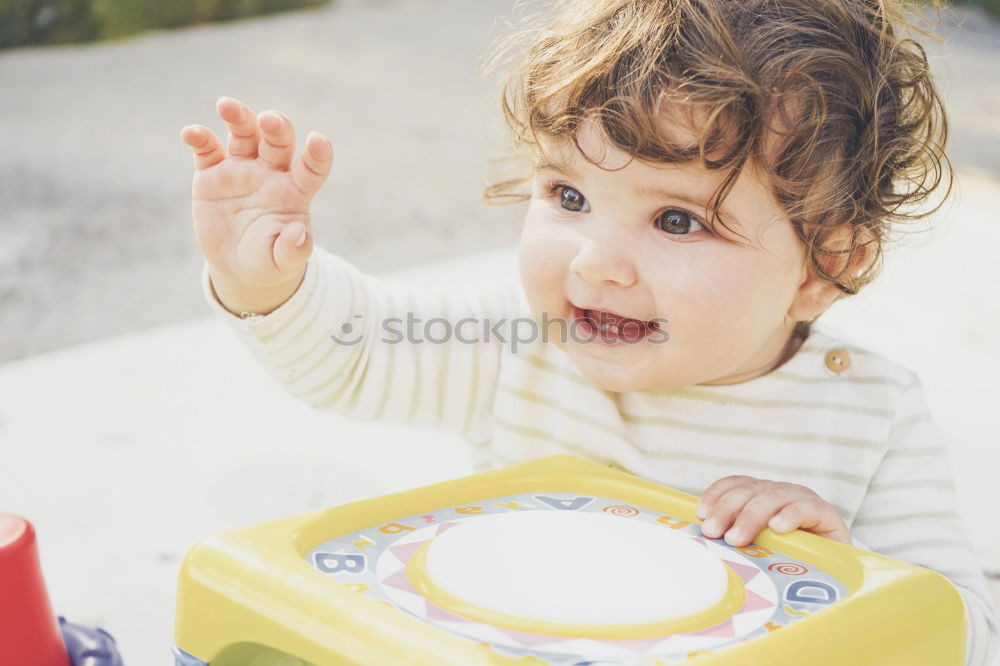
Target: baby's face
632 242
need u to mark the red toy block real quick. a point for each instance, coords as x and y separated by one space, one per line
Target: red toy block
29 632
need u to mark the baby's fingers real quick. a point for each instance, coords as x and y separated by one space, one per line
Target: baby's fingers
205 145
719 488
756 512
244 135
277 145
813 515
310 170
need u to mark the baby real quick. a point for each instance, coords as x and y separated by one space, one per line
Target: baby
706 178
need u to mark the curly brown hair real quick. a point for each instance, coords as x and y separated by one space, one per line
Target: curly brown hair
825 96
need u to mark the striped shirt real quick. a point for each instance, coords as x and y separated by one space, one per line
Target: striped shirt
464 360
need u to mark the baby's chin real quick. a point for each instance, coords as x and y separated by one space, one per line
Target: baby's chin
610 376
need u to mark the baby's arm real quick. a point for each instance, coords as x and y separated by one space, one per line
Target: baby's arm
337 338
341 343
910 513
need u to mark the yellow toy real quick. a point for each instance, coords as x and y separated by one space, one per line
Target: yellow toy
557 561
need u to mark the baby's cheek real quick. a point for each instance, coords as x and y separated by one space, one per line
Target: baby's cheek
543 259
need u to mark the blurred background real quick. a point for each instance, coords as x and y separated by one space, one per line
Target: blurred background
131 423
97 186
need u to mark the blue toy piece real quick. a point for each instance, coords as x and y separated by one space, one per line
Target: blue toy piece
89 647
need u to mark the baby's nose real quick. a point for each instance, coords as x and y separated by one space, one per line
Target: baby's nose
598 261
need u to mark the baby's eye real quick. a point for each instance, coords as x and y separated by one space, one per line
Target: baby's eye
571 199
675 221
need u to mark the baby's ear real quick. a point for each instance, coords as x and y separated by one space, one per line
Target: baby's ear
816 294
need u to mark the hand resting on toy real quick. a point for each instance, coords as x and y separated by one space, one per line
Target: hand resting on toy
741 506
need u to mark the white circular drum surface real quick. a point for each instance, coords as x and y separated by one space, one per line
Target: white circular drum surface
576 568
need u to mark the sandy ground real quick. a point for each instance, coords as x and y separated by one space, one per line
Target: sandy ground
127 449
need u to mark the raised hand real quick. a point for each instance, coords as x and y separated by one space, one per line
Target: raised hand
251 206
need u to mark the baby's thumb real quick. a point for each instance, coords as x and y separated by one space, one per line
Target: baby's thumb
292 247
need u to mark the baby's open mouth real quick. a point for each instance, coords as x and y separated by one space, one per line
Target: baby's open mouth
611 326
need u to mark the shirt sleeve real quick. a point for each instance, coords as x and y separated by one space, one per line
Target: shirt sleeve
371 348
910 512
